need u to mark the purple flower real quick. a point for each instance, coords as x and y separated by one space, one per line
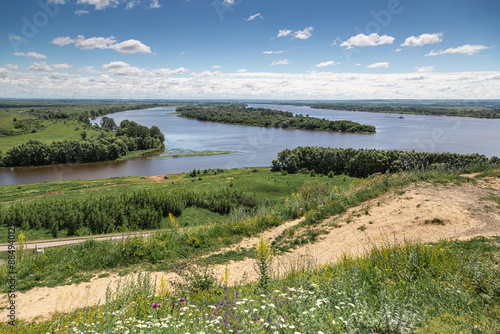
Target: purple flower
182 299
154 305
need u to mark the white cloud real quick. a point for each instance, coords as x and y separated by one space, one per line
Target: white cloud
128 46
86 69
326 63
423 39
253 17
466 49
183 53
94 42
154 4
30 55
398 50
367 40
253 85
241 70
10 67
99 4
417 77
61 41
216 66
81 12
228 2
206 74
131 46
280 62
122 68
14 37
59 2
304 34
379 65
425 69
284 32
132 4
44 67
272 52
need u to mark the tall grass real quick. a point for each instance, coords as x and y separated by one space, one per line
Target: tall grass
395 287
314 201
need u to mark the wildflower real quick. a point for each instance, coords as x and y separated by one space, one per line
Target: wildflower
182 299
154 305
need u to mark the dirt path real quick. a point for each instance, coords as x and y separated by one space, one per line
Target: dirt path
427 212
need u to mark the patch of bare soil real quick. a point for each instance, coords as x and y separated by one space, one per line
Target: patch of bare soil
425 211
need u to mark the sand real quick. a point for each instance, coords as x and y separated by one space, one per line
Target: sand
404 214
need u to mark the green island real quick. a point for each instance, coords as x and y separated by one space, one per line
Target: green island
242 115
200 218
455 108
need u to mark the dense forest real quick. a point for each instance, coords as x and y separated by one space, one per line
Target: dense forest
479 112
364 162
130 136
241 115
105 214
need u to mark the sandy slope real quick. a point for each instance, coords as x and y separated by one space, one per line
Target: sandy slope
400 214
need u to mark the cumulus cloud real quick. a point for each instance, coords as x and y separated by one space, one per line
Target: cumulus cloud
44 67
253 85
30 55
228 2
10 67
253 17
280 62
272 52
367 40
425 69
466 49
379 65
304 34
423 39
326 63
128 46
284 32
122 68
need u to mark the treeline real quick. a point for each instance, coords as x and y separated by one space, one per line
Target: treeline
130 136
480 112
135 211
241 115
364 162
85 115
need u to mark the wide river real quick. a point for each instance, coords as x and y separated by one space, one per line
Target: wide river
259 146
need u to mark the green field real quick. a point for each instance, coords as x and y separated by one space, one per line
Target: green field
259 184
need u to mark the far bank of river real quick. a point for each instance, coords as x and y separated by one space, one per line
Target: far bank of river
259 146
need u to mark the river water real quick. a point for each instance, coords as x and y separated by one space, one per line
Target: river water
259 146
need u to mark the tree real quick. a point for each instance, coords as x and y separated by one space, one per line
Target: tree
83 134
108 124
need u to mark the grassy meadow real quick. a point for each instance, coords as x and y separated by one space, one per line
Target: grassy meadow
395 287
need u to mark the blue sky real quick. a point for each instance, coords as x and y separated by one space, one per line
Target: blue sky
250 49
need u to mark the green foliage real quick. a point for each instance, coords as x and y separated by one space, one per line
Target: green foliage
364 162
479 109
130 137
240 114
143 209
